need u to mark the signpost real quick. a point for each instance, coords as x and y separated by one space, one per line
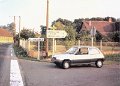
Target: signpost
56 34
93 32
36 39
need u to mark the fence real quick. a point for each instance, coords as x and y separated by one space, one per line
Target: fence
61 46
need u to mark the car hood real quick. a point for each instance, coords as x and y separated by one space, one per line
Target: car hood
61 55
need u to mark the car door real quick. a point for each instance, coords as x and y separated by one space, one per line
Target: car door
81 56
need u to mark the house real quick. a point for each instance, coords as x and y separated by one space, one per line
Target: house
5 36
104 27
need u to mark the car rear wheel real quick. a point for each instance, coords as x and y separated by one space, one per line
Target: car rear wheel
99 63
66 64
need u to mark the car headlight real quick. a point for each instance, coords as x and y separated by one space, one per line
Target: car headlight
53 59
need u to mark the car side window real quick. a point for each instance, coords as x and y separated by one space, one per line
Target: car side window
93 51
82 51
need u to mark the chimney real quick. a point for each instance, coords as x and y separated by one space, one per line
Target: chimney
110 19
89 23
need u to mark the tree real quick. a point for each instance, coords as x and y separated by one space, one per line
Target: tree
70 38
98 36
66 25
115 36
84 35
78 24
25 34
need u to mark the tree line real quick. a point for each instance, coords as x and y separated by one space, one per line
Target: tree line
73 28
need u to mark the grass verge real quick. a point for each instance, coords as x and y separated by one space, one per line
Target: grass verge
113 57
22 53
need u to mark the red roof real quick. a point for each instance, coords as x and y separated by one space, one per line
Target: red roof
104 27
4 32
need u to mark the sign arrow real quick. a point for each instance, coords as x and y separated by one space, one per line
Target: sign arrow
56 34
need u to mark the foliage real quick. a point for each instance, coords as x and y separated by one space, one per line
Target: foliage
84 35
19 51
113 57
25 34
66 25
70 38
98 36
78 25
58 25
11 26
115 36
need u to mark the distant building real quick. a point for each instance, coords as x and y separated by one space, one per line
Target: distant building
5 36
104 27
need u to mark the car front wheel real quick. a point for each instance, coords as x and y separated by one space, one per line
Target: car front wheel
99 63
66 64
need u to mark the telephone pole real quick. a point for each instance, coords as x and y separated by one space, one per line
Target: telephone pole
19 30
14 31
47 22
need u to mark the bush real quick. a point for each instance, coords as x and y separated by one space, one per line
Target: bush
113 57
19 51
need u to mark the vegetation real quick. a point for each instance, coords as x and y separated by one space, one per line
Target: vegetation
26 33
20 52
115 36
113 57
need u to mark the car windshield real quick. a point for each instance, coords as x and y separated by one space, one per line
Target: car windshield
72 50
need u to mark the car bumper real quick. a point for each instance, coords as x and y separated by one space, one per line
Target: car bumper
54 60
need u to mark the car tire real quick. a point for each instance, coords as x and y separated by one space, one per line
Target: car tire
57 64
99 63
66 64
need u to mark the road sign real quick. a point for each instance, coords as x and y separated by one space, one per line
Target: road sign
93 31
36 39
56 34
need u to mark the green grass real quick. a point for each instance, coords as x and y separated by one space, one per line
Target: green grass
22 54
113 57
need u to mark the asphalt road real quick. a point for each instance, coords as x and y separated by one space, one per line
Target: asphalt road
4 65
47 74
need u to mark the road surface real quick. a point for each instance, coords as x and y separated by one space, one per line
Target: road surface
32 73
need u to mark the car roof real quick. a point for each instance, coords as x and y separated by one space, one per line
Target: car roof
85 46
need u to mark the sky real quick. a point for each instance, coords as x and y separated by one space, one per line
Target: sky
33 12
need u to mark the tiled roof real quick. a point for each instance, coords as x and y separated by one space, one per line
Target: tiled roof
103 27
4 32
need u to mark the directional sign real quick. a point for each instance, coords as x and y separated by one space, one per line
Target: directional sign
56 34
36 39
93 31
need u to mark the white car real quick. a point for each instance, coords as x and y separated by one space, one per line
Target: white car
79 54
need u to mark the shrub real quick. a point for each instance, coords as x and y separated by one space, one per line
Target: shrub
113 57
19 51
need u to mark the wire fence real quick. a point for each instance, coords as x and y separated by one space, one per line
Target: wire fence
61 46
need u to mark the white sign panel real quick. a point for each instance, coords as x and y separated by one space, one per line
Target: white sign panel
36 39
56 34
93 31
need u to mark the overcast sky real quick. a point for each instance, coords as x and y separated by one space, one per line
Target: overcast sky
33 12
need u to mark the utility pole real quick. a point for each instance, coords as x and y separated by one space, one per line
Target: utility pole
14 33
19 30
47 21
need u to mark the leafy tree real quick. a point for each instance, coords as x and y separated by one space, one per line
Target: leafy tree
107 19
78 24
11 26
115 36
25 34
98 36
66 25
70 38
84 35
58 25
